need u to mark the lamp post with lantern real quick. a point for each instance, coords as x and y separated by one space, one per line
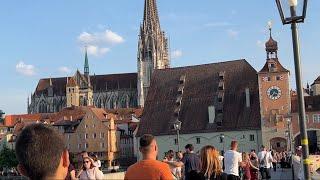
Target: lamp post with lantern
290 16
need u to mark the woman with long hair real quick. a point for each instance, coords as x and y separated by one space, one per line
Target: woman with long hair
89 170
247 167
210 165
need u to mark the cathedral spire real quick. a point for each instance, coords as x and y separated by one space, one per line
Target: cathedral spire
151 18
152 49
86 63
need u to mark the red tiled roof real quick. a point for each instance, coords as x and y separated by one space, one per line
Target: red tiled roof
278 67
312 103
11 120
201 91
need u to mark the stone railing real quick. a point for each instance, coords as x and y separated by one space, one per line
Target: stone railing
314 167
114 176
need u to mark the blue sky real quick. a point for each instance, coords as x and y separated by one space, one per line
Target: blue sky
46 38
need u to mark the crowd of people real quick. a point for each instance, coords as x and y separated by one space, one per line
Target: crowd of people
207 164
39 159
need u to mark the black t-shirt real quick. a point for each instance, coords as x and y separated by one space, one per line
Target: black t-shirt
191 162
194 175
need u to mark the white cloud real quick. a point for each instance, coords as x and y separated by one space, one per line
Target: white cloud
105 37
96 50
176 54
232 33
217 24
64 70
112 37
86 38
25 69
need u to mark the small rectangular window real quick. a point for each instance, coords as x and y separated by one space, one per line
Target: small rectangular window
278 78
198 140
86 136
86 145
175 141
269 78
79 146
101 135
94 135
251 137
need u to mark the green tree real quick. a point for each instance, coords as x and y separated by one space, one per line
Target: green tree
8 158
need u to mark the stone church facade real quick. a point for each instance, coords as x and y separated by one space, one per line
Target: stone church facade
109 91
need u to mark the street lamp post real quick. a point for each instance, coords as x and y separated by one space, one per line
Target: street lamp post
177 127
222 141
293 18
289 134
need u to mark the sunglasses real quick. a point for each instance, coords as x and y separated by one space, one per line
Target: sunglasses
86 162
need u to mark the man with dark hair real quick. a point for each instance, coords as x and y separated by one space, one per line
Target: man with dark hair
190 161
41 153
148 167
232 162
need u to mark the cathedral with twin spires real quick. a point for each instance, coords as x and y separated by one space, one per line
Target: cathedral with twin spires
110 91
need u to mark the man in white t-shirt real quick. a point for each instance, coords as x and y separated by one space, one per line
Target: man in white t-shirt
265 161
232 161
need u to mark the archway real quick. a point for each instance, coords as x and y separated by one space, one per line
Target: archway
313 136
279 144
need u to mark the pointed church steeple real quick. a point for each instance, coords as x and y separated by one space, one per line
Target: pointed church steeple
86 63
152 49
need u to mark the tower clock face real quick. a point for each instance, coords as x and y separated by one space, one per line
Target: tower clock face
274 92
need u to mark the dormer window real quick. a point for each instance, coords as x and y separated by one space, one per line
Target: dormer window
272 67
182 79
221 86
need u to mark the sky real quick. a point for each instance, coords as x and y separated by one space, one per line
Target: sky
41 39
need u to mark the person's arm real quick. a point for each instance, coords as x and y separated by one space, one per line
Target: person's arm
175 163
79 173
254 167
73 175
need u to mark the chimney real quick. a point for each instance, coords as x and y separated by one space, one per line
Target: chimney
247 97
212 114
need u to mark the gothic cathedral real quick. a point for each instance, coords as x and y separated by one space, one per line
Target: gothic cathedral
110 91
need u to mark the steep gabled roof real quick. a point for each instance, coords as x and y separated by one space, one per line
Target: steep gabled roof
201 91
106 82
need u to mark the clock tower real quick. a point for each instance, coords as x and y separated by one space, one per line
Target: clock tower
275 102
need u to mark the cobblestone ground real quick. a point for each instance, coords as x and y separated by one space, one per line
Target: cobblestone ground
281 174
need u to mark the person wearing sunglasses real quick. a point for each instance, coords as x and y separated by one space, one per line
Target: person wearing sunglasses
89 170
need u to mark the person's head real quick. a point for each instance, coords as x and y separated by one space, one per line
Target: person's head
179 155
170 154
263 148
148 146
209 161
42 153
245 157
87 163
189 148
234 145
94 157
84 154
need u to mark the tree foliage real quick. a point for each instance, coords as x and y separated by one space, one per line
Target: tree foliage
8 158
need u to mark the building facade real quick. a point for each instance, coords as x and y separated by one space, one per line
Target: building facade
210 100
109 91
275 98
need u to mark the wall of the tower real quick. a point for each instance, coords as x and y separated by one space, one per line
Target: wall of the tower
73 96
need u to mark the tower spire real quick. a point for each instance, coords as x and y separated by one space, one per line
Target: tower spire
152 49
86 63
151 18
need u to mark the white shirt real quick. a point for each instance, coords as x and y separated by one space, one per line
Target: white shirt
231 162
267 157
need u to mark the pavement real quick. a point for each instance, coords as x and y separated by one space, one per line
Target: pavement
281 174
